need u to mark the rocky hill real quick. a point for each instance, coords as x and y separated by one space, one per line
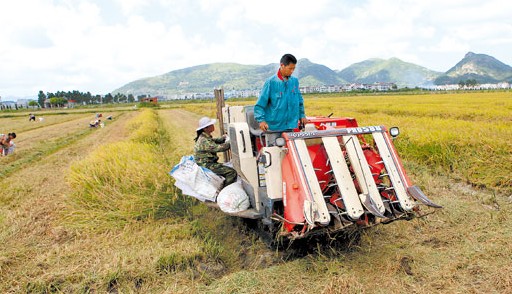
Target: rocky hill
480 67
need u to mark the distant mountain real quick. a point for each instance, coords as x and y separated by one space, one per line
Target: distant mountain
233 76
480 67
201 78
393 70
313 74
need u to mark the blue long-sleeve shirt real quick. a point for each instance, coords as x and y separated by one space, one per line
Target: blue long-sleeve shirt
280 104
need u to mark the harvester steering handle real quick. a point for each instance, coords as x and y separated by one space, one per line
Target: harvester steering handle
243 139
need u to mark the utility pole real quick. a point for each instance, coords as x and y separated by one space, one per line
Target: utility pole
219 100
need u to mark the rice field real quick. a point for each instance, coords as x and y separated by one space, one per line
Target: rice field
94 210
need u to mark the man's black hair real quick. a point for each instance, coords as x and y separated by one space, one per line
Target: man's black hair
287 59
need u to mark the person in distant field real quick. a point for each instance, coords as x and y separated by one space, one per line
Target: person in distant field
31 117
95 123
280 106
206 148
6 142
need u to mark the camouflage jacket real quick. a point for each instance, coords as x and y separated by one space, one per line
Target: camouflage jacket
206 148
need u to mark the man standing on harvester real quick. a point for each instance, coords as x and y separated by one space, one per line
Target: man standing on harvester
280 106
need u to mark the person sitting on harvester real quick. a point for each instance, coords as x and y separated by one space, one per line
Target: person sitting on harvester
206 148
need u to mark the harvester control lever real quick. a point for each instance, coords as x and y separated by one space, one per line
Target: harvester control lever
243 140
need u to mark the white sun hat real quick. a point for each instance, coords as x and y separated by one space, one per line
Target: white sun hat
204 122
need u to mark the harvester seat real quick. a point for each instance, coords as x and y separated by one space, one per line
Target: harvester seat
254 126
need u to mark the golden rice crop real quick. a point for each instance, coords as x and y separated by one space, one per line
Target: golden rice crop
144 127
123 181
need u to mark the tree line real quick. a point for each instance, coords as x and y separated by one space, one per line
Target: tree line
61 98
468 83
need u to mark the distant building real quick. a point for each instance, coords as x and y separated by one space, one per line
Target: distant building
71 103
8 105
348 87
153 100
23 102
453 87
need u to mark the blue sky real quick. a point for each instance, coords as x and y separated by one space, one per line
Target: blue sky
100 45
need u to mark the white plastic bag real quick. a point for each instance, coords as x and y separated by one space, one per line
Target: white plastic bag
233 198
196 181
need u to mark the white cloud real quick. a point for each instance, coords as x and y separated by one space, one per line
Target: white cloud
129 7
99 45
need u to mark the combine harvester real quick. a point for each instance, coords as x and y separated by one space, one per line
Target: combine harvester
331 176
